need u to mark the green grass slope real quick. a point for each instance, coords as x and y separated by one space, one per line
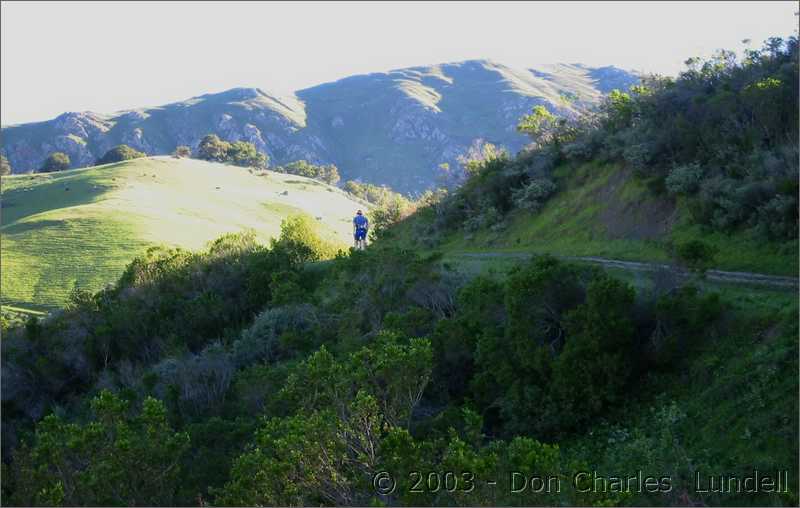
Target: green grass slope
80 228
602 210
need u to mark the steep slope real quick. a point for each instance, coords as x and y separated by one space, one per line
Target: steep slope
603 210
79 228
389 128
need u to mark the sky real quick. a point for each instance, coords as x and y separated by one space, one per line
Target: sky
106 57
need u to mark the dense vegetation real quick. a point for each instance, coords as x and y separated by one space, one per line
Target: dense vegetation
327 173
120 153
721 137
56 161
294 374
377 361
240 153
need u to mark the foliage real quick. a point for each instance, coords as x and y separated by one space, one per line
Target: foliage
118 458
299 380
120 153
5 166
240 153
718 135
212 148
697 255
56 161
328 173
377 195
544 128
533 195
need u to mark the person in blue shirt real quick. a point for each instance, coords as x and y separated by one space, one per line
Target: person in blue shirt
360 228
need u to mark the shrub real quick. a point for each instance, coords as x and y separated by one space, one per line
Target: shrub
240 153
386 215
120 153
182 151
211 148
245 154
300 240
277 334
777 218
200 380
326 173
598 357
116 458
533 195
56 161
684 179
682 317
697 255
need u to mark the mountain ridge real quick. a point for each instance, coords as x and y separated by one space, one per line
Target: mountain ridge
394 127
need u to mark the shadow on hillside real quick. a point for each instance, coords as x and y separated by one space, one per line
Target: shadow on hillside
15 229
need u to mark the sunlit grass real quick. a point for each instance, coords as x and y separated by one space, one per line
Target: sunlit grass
80 228
575 222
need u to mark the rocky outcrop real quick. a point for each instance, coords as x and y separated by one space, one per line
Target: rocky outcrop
392 128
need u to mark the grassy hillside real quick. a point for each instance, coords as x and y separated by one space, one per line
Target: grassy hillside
80 228
602 210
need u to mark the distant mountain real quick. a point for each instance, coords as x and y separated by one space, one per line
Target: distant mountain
390 128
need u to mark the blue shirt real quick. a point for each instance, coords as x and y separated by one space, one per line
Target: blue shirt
360 222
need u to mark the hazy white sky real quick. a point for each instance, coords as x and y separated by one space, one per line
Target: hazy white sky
76 56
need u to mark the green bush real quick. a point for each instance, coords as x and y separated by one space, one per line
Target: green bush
684 179
212 148
532 195
120 153
328 173
115 458
245 154
56 161
267 339
697 255
240 153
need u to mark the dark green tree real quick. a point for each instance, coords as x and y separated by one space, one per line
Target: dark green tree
56 161
242 153
120 457
212 148
120 153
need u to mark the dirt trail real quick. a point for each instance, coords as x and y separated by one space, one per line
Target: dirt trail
636 266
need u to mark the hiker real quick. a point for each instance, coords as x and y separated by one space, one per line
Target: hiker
360 227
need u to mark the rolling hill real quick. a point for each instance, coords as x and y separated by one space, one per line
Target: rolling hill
79 228
392 128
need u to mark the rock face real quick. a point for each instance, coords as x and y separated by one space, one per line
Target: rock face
391 128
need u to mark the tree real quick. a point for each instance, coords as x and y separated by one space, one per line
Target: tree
696 255
120 153
540 125
598 358
182 151
115 459
386 215
244 154
56 161
5 166
211 148
329 174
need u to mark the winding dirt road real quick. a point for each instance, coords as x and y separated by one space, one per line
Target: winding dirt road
759 279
